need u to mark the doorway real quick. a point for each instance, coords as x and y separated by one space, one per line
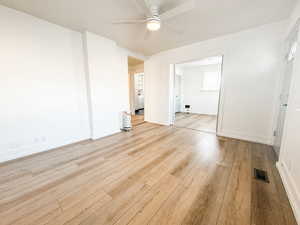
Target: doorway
196 94
136 89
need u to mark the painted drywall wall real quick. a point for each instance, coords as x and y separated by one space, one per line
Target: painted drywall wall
295 15
42 90
288 164
107 68
201 101
250 75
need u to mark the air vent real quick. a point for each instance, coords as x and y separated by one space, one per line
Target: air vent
261 175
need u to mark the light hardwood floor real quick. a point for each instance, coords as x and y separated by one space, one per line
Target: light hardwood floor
137 120
152 175
196 121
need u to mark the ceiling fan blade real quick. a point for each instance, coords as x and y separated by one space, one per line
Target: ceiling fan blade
176 34
142 7
172 29
129 21
183 8
148 7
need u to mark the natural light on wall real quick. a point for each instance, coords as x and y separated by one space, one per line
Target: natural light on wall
211 81
293 51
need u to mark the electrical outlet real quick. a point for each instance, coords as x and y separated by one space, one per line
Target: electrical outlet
14 145
38 140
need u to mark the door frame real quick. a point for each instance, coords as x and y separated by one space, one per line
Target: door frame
220 98
175 99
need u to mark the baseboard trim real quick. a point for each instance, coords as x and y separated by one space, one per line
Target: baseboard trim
290 187
158 123
94 138
255 139
43 151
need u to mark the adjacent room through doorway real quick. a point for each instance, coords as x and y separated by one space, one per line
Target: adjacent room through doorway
196 94
136 90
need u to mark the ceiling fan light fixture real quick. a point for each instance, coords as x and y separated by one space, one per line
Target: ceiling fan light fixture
153 24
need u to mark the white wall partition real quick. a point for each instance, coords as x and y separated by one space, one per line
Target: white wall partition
251 69
56 88
107 66
43 97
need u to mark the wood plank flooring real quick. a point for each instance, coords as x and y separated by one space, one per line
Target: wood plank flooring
137 120
154 175
196 121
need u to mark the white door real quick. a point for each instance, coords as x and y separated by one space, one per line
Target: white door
284 96
177 93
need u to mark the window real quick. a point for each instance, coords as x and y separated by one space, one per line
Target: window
211 81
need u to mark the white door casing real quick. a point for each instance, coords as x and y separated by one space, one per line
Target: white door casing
177 93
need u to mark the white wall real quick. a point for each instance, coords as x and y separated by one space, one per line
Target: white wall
57 86
289 158
250 75
42 90
108 84
295 15
201 101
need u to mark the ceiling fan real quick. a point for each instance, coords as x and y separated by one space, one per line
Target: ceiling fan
152 17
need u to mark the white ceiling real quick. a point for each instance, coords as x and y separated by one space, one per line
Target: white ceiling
210 18
204 62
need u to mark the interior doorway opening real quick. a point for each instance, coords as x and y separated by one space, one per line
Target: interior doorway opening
197 86
136 90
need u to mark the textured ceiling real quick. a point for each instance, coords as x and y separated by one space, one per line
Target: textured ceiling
210 18
204 62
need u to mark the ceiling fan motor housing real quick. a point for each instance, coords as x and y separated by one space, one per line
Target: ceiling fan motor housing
154 9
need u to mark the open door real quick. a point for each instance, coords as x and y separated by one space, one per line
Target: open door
286 84
284 96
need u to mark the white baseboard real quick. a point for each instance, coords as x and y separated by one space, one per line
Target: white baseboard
245 137
97 137
230 134
291 190
158 122
35 148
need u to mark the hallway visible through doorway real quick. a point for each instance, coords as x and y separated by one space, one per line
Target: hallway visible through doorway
196 94
136 90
